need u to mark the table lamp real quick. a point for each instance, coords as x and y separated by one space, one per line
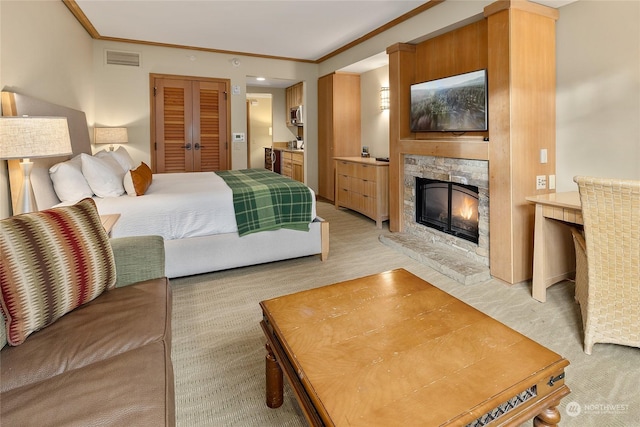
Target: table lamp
32 137
111 136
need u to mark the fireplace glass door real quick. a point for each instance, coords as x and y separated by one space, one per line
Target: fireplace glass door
449 207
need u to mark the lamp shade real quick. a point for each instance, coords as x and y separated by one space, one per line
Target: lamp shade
31 137
111 136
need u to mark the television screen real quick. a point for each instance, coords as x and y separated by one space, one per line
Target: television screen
451 104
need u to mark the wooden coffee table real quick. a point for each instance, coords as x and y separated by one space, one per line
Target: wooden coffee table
392 350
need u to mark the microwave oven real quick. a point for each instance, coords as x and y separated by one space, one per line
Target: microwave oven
295 116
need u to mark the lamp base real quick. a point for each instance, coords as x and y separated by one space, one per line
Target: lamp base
26 198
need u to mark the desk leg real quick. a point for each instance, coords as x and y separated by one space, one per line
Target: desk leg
539 290
553 253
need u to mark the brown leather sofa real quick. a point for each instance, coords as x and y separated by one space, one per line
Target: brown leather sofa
107 362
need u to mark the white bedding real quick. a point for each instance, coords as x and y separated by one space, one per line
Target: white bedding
176 206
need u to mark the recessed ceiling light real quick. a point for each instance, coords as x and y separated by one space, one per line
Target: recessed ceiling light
260 79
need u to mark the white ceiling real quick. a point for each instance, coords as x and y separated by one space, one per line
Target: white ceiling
295 29
300 29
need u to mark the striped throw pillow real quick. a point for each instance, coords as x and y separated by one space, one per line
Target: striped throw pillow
51 262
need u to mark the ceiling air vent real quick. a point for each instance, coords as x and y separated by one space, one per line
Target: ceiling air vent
115 57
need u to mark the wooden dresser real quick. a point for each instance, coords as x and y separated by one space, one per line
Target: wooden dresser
362 184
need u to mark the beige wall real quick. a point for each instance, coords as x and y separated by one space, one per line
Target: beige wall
598 91
122 93
45 53
375 123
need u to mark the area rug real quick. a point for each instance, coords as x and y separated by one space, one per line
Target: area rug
218 347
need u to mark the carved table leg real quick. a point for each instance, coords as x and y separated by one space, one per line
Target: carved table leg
549 417
273 380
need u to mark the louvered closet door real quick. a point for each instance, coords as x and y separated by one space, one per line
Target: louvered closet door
174 115
190 125
209 119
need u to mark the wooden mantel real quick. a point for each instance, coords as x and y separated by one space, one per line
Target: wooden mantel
515 42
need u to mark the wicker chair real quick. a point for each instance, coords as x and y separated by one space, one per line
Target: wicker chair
608 261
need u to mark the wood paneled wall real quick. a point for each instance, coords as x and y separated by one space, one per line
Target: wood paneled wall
515 42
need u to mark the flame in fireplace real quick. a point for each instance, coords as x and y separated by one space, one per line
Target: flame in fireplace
467 208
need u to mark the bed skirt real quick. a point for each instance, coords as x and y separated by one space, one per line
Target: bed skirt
196 255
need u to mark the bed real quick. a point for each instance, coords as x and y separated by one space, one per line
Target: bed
199 227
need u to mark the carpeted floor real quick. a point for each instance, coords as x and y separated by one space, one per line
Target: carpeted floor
218 346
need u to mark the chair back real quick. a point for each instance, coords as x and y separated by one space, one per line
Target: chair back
611 214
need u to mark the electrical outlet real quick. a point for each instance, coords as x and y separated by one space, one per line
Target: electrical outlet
541 182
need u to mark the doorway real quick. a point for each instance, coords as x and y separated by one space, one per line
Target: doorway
259 128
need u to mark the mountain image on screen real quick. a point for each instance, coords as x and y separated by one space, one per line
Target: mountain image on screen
451 104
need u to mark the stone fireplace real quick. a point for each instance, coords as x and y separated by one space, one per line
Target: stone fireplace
460 258
469 172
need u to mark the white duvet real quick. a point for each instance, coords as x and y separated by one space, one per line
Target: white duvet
176 206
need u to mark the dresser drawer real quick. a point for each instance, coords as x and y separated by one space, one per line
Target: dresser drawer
343 197
366 172
343 182
369 188
347 168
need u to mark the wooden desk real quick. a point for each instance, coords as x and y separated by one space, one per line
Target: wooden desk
553 251
393 350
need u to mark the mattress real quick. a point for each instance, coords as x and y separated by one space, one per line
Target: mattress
176 206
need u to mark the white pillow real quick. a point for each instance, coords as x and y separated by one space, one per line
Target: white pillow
123 158
110 159
104 175
68 182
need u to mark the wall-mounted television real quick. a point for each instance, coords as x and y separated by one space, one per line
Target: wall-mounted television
451 104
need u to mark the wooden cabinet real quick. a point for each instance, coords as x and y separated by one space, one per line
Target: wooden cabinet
338 125
362 184
293 96
293 165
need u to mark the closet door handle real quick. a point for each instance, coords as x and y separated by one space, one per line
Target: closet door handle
197 146
187 146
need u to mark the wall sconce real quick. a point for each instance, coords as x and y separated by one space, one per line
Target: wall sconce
384 98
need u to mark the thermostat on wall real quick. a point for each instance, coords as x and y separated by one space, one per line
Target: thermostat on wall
238 137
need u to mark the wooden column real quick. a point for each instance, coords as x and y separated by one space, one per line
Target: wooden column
521 73
401 75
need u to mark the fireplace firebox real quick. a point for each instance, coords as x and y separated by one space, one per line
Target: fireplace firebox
448 206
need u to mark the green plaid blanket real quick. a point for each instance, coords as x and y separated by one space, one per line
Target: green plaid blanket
264 200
